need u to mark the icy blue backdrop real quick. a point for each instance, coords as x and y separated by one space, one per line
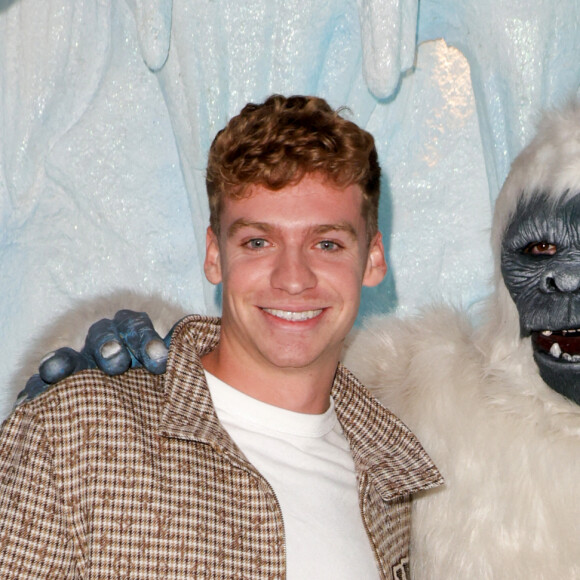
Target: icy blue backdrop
108 108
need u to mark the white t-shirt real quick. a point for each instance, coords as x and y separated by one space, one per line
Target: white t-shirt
308 463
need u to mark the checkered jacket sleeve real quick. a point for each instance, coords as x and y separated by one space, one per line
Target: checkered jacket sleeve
34 542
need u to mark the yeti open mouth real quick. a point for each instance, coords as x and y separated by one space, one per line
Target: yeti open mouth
563 345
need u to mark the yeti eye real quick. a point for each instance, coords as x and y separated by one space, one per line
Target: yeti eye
540 249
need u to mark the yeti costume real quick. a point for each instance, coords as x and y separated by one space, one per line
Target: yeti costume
506 443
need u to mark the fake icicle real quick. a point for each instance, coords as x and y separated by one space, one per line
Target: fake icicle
153 18
388 31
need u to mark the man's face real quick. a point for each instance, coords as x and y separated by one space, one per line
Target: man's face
292 263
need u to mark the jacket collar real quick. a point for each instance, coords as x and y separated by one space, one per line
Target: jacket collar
382 446
188 411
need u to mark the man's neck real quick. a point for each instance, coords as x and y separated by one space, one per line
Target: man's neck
304 390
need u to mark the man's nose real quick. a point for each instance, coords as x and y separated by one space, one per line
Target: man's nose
293 272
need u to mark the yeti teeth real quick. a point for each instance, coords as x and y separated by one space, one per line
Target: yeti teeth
566 331
547 332
556 352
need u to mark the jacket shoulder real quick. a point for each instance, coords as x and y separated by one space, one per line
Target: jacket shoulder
91 394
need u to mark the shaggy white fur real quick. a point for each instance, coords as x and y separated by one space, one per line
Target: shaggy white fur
507 445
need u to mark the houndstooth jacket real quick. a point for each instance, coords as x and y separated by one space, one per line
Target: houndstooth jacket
133 477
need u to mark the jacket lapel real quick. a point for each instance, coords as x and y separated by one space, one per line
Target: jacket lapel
383 447
188 411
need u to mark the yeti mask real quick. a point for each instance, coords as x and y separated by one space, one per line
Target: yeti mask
540 265
536 242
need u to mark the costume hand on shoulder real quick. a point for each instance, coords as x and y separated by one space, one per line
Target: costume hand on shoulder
114 346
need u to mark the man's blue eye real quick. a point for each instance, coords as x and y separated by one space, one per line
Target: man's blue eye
328 245
256 243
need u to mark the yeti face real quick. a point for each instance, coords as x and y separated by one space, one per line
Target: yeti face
540 265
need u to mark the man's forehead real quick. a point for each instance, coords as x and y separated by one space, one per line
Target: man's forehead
313 203
309 190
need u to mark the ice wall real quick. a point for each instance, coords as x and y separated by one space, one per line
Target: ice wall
108 109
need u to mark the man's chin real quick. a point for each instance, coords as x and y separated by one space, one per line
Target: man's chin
299 355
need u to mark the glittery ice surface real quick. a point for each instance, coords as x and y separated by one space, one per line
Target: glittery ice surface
109 106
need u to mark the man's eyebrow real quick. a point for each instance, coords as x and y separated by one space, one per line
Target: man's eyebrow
338 227
243 223
320 229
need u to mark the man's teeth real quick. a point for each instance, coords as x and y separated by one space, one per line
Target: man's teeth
294 316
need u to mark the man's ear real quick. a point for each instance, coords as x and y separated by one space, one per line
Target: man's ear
376 266
212 265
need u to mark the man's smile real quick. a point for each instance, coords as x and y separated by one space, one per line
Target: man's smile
294 316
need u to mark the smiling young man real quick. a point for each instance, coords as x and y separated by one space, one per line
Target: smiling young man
256 455
292 263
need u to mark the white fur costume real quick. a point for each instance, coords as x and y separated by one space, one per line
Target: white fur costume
507 445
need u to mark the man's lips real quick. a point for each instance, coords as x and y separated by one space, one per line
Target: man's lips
294 315
560 344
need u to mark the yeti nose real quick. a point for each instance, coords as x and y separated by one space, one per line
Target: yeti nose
564 280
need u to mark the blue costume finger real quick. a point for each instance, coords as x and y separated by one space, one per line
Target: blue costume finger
62 363
105 347
34 386
145 345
